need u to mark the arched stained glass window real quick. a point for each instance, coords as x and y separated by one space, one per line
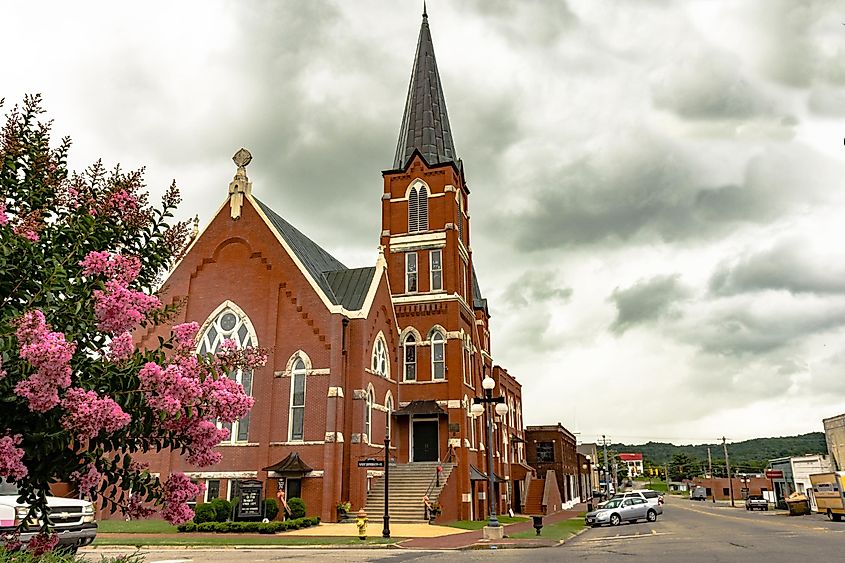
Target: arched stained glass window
231 323
368 416
388 405
380 365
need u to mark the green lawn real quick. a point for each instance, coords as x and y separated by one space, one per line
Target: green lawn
118 526
557 531
657 486
230 539
478 524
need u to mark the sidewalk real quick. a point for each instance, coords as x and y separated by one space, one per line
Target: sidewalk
475 539
419 536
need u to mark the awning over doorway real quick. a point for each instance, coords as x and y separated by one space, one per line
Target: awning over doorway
291 466
477 475
519 470
420 407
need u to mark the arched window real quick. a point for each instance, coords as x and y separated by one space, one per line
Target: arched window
368 415
229 322
470 422
422 209
388 405
413 212
410 346
418 209
380 363
438 356
459 202
296 424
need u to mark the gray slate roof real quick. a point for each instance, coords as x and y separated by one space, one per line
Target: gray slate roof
478 302
343 286
425 124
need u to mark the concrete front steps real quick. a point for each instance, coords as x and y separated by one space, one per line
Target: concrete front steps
409 483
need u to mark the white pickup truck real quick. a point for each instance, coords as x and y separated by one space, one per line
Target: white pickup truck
73 520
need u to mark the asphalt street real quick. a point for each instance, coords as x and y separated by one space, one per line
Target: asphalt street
687 531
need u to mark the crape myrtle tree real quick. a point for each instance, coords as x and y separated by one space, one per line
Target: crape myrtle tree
81 258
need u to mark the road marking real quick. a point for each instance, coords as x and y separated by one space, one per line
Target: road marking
629 536
748 520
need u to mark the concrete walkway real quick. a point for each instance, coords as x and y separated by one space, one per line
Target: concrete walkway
374 528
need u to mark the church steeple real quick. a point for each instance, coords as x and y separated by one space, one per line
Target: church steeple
425 124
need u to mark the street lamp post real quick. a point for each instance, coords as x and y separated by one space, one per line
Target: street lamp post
479 406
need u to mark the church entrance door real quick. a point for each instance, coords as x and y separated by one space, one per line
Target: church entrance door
425 440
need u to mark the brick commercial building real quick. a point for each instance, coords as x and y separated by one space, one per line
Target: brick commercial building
400 346
552 448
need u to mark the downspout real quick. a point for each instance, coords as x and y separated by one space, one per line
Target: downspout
346 401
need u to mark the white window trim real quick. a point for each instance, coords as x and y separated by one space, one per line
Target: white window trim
389 406
291 407
380 338
431 270
205 494
416 271
405 357
253 338
368 413
442 341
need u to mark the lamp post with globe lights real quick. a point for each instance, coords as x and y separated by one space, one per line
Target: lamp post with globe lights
479 406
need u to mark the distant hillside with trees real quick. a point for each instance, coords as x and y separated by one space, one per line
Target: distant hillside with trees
749 455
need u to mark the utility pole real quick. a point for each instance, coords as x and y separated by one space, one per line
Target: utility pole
606 474
667 478
728 467
710 470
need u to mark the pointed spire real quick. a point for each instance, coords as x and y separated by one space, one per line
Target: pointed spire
425 124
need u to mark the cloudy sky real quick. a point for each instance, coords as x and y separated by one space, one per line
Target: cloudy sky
657 211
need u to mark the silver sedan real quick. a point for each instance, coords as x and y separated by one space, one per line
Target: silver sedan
619 510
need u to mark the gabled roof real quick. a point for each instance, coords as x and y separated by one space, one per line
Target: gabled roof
426 406
343 286
425 123
350 286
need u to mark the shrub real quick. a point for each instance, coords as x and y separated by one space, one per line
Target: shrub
204 512
222 509
248 527
297 508
271 508
187 527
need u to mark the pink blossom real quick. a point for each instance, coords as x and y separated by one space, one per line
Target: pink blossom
4 219
87 414
12 541
184 335
225 399
122 203
122 269
42 543
11 458
178 490
50 353
121 347
87 480
205 436
2 371
26 232
136 509
119 308
168 389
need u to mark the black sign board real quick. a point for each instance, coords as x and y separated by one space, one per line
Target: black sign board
371 462
250 505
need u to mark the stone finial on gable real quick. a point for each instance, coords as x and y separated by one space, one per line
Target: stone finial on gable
240 184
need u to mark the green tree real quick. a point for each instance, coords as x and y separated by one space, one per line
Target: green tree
683 467
81 257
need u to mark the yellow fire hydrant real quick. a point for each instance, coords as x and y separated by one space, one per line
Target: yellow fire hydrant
361 522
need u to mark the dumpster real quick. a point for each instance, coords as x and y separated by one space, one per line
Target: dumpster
798 504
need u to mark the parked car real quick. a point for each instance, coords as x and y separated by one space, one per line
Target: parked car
653 498
618 510
756 502
73 520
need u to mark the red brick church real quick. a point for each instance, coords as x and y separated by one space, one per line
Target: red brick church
400 346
